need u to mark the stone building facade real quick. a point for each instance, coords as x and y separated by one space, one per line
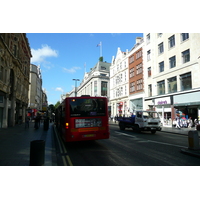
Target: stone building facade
35 91
15 55
96 82
119 84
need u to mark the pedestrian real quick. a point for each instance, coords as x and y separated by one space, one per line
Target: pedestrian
178 123
195 124
37 119
190 123
27 122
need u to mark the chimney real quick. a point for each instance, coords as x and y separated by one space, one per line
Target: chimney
138 39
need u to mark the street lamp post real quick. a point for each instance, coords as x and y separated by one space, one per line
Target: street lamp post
75 85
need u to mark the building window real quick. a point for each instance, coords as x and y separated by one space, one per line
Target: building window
124 64
171 41
15 50
148 55
5 76
160 48
186 81
149 71
104 88
119 92
159 34
138 54
1 73
172 85
161 66
95 88
139 68
172 62
150 90
139 84
132 72
186 56
132 87
161 87
131 59
184 36
103 68
148 38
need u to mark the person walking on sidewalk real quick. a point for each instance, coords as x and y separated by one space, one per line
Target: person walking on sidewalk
27 122
190 123
37 119
178 123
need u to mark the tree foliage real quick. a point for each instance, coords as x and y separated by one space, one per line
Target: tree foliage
52 108
101 59
57 104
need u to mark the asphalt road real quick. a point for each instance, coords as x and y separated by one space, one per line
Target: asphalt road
128 148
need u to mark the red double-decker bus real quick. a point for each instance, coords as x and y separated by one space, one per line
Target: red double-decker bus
83 118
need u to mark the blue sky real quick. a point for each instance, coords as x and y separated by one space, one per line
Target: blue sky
62 56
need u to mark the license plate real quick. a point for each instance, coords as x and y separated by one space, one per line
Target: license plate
89 135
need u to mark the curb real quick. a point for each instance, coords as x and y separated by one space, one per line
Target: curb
191 152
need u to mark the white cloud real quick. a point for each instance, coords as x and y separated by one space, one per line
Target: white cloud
71 70
39 55
59 89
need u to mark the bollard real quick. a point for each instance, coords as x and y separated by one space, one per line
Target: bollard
198 127
37 148
193 140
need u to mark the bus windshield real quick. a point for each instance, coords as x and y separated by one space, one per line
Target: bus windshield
87 107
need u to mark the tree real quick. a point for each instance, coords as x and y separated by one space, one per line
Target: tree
101 59
57 104
52 108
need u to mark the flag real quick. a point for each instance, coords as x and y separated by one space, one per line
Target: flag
98 45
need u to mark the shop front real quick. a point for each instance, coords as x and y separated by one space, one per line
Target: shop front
165 109
120 108
188 105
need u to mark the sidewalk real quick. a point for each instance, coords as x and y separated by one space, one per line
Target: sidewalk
15 145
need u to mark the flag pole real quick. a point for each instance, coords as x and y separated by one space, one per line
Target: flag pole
85 67
100 49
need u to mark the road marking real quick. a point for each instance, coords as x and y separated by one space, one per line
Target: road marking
166 144
63 150
64 162
143 140
120 133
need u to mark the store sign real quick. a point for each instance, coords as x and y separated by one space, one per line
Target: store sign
162 101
